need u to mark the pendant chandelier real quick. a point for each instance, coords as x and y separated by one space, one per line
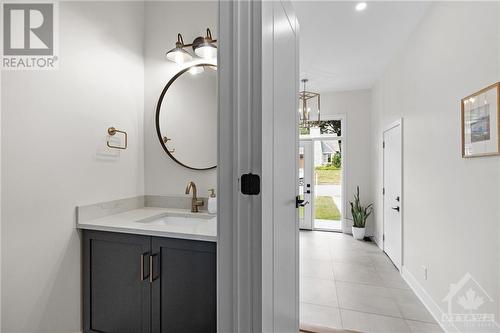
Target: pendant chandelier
304 110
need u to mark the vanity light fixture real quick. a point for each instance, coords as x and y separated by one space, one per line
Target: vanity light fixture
178 54
304 110
203 47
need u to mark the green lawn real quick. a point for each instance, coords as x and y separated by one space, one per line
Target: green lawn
326 209
329 176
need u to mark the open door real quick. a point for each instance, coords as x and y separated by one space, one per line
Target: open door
280 147
258 234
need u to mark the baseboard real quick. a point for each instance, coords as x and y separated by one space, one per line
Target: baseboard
427 300
377 241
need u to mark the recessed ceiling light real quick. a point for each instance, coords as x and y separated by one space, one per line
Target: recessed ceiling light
361 6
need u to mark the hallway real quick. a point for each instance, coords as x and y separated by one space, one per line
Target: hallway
351 284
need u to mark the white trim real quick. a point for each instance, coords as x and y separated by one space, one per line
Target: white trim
226 312
398 122
307 145
395 123
427 300
377 242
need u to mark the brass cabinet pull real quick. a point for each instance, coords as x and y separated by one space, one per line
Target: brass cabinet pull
151 270
142 266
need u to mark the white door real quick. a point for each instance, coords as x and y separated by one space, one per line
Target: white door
305 185
392 193
258 276
280 147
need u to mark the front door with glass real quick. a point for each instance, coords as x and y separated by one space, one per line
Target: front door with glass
321 175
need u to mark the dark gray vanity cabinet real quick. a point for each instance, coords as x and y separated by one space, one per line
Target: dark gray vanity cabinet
116 298
184 294
143 284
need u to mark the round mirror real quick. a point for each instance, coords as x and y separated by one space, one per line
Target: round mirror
186 117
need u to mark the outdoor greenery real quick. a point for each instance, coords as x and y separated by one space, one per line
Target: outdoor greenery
326 167
337 160
325 127
328 175
359 213
330 127
304 130
325 209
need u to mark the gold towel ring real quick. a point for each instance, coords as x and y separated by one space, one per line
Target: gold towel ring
112 131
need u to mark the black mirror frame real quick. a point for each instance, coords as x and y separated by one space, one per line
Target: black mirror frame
157 117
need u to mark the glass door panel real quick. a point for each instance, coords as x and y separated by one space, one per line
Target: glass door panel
328 198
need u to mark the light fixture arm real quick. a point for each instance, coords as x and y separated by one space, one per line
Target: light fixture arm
180 40
205 45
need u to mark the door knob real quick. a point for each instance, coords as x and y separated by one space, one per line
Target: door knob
395 208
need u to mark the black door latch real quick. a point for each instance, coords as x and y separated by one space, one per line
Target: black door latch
299 202
250 184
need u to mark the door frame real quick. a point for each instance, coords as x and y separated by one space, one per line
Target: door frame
311 174
398 122
343 210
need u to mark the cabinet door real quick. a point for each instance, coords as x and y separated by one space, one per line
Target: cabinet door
116 287
184 298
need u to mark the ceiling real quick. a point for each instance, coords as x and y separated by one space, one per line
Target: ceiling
343 49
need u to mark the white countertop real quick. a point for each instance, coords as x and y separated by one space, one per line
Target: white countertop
202 227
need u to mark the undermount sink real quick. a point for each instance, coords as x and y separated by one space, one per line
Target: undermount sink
179 219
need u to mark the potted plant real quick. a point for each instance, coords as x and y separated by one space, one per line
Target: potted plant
359 216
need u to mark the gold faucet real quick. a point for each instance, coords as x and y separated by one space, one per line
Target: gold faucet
195 202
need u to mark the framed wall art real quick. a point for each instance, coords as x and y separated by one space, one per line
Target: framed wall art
481 123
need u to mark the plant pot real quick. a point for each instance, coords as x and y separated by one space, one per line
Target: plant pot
358 233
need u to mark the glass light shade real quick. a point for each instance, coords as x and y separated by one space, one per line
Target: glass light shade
178 55
206 51
196 70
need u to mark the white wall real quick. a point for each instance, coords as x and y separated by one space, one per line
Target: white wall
451 215
163 176
1 82
356 106
498 182
54 157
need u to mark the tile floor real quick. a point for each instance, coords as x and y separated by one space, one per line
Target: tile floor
352 284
